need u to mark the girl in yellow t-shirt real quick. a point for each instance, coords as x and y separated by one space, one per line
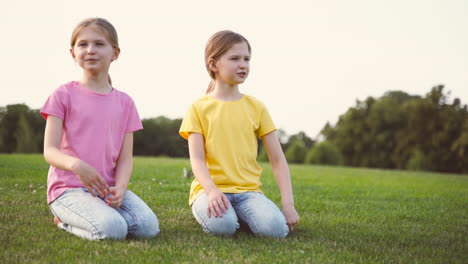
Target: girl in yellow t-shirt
222 130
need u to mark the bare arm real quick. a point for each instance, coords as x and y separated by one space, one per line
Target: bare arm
217 201
282 177
90 178
123 172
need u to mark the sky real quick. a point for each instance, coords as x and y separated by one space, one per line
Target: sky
311 60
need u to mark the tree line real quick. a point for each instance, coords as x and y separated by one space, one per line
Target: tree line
401 131
22 131
395 131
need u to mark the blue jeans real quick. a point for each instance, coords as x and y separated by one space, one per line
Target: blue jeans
91 218
262 216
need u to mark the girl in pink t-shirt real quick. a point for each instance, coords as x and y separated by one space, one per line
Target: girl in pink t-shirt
89 143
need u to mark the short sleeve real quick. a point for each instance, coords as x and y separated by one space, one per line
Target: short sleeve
191 123
56 104
266 123
134 121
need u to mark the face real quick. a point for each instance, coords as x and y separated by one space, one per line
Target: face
93 51
234 65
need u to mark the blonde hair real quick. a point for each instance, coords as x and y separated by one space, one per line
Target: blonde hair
105 25
219 44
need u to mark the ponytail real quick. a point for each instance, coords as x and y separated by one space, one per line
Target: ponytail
211 87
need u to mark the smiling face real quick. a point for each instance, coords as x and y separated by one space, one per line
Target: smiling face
93 50
233 66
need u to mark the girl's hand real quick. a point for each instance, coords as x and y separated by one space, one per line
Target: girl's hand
217 203
291 216
91 179
115 197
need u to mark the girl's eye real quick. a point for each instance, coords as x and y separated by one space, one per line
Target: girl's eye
81 44
100 44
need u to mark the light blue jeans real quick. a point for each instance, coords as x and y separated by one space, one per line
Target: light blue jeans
262 216
91 218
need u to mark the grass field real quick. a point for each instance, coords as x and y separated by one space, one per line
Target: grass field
348 215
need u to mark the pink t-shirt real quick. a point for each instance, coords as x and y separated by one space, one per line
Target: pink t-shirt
94 126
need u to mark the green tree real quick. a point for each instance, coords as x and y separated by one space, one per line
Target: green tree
391 131
9 125
324 153
160 137
351 135
296 152
460 147
37 125
418 162
3 113
21 129
436 128
24 136
301 136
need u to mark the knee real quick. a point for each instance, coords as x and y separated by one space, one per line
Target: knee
148 226
218 226
275 228
114 228
221 227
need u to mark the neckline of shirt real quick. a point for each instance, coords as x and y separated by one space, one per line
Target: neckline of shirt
226 102
81 87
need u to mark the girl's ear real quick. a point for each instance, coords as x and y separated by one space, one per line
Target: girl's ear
212 65
72 53
116 54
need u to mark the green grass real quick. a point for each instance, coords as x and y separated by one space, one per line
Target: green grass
348 215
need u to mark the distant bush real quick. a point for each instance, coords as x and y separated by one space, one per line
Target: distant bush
418 162
296 152
324 153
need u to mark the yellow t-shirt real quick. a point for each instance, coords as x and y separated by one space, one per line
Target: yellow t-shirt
230 130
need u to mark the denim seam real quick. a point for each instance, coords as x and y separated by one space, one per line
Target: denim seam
134 216
249 221
205 226
96 230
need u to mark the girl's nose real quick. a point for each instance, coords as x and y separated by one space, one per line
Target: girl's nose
91 48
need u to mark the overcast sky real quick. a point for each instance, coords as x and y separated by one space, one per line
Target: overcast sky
311 59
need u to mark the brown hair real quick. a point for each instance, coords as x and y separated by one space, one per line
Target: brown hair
219 44
105 25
